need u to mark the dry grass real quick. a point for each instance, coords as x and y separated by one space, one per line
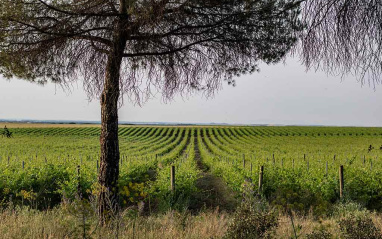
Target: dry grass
57 223
304 226
308 225
377 219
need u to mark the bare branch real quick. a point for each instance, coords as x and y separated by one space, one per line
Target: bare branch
343 37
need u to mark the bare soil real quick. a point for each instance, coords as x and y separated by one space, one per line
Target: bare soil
213 192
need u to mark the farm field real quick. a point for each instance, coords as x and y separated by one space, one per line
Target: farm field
46 169
39 165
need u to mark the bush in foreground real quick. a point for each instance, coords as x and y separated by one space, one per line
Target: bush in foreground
355 227
253 218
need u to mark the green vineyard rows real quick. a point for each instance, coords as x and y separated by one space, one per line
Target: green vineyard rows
39 165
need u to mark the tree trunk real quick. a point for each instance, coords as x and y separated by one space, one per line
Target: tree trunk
109 161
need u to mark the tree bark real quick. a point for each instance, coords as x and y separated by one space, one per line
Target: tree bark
109 159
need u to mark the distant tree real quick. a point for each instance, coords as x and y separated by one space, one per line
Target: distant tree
136 47
6 132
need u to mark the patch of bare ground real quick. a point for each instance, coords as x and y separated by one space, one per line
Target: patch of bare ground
213 192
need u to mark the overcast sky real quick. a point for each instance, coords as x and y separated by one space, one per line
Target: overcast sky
279 94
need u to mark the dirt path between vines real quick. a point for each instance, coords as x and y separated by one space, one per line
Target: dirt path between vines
213 191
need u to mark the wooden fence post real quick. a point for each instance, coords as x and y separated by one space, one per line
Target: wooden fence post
78 180
341 174
173 178
261 175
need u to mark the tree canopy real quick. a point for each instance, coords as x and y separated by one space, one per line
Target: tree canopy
173 46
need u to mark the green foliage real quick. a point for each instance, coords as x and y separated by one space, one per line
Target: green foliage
186 174
43 181
291 181
50 157
301 172
299 200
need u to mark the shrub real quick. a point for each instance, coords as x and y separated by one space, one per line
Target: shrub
291 196
345 208
253 218
355 227
6 133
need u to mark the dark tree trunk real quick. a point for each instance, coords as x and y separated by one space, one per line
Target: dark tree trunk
109 161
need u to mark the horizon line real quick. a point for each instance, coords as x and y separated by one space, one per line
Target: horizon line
79 122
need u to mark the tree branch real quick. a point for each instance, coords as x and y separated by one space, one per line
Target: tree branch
169 51
76 34
51 7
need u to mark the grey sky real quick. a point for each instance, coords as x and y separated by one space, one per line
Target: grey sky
277 95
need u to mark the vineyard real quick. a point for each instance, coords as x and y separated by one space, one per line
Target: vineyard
43 166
